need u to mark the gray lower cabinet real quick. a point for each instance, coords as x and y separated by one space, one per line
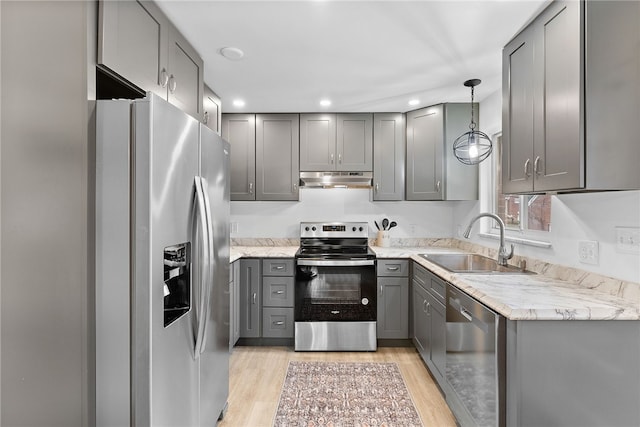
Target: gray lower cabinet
573 373
388 156
393 299
266 297
139 43
336 142
234 303
277 298
567 88
433 172
429 321
240 131
250 298
277 158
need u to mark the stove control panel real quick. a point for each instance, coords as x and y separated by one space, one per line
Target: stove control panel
334 229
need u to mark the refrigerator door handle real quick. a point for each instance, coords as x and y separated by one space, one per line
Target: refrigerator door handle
208 285
201 210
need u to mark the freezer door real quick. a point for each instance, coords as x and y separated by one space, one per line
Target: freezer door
214 361
165 377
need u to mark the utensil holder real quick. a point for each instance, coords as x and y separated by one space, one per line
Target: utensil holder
383 239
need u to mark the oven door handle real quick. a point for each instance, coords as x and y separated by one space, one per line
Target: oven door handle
335 262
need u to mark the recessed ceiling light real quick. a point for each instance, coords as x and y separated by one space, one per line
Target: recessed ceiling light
414 102
325 102
232 53
238 103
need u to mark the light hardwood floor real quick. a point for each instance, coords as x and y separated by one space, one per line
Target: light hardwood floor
257 374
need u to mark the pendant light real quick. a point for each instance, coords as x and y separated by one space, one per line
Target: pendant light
474 146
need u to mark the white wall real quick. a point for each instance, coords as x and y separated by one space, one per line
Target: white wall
281 219
574 217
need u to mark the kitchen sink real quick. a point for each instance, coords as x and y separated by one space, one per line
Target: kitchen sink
472 263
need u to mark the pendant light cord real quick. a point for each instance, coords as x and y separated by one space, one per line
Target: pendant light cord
472 125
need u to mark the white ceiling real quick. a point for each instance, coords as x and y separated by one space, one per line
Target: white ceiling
365 56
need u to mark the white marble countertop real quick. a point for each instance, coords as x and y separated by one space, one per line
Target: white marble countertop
515 296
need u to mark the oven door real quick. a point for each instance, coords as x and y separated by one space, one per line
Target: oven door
335 290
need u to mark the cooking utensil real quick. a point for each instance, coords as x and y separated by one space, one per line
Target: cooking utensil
377 226
385 224
393 224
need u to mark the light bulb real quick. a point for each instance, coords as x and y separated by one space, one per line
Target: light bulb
473 147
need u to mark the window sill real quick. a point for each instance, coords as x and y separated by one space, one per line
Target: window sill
518 240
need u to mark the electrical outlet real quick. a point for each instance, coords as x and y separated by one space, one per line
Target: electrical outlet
588 252
628 239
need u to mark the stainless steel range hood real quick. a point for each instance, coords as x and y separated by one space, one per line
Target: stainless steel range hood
336 179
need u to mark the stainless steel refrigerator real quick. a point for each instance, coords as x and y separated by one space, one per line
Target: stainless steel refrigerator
162 266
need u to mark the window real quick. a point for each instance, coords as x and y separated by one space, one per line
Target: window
523 213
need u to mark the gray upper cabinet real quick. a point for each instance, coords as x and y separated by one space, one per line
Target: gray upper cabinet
185 68
212 110
388 156
277 165
317 142
354 142
240 131
330 142
139 43
570 107
433 172
132 42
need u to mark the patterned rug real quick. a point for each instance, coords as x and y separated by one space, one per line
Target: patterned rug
336 394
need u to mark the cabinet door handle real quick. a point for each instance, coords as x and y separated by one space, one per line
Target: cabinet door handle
295 187
438 187
526 168
205 119
164 77
331 158
251 188
340 158
172 84
381 291
377 186
428 309
536 163
254 297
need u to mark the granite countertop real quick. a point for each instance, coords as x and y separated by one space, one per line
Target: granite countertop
515 296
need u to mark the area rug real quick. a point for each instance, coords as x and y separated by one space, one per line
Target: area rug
337 394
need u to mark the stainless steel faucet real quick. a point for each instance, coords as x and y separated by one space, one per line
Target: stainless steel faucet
503 255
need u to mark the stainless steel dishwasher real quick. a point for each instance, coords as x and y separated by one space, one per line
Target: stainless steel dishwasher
475 361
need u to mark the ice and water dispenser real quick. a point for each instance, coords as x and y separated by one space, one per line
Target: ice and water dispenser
177 281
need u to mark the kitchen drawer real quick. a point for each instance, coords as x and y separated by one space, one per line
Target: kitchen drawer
277 322
277 291
437 288
277 267
393 267
421 275
430 282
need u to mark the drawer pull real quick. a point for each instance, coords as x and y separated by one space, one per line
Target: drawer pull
393 268
278 292
278 267
278 323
